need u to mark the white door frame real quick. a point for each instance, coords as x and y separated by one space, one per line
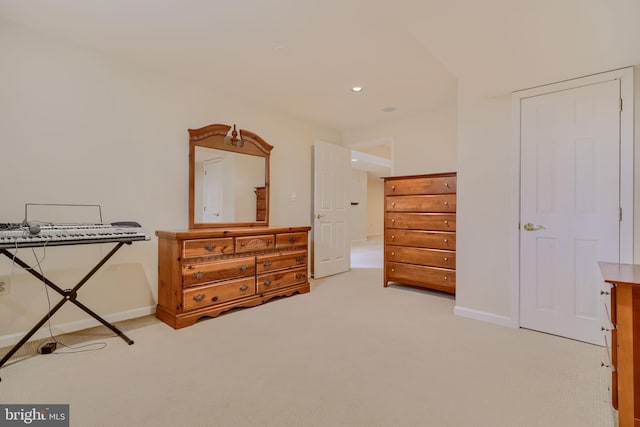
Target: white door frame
626 169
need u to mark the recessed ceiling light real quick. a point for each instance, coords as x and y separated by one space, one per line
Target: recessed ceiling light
389 109
356 89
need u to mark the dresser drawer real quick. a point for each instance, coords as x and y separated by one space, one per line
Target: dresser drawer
196 274
426 185
421 221
272 281
420 275
428 257
254 243
287 240
218 293
421 239
266 263
204 247
427 203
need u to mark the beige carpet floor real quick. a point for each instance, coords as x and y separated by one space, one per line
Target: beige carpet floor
350 353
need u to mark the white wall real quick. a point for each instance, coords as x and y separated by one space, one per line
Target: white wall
375 206
358 213
423 143
77 126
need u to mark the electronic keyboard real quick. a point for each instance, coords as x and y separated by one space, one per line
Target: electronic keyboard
29 235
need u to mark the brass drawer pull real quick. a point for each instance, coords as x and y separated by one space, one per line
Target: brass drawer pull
446 184
393 188
198 298
214 299
267 282
269 242
292 239
198 275
393 254
210 247
299 275
393 220
604 293
244 288
393 237
299 259
393 270
446 222
446 240
446 203
242 243
267 264
393 204
446 278
244 267
446 259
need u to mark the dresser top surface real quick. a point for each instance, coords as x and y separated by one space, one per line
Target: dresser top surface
430 175
620 273
205 233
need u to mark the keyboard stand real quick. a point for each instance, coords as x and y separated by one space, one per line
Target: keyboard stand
69 295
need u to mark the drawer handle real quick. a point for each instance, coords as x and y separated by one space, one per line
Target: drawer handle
602 328
393 220
244 288
393 254
446 259
446 203
605 365
198 275
292 239
393 204
299 259
224 248
446 222
393 237
299 275
210 247
604 293
446 240
393 270
269 242
393 188
446 278
446 184
244 267
267 264
267 282
198 298
214 299
242 243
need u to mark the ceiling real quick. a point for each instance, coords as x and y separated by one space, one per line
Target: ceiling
302 57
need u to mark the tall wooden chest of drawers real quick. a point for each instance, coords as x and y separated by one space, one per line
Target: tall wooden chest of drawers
204 272
420 231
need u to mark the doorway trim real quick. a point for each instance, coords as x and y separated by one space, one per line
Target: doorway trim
625 75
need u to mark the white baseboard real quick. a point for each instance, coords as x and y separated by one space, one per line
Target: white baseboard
78 325
485 317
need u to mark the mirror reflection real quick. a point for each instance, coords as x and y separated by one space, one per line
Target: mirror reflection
228 186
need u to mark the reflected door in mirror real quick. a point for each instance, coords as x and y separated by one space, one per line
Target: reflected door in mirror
225 184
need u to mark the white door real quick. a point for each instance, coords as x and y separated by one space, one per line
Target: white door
570 207
212 191
331 182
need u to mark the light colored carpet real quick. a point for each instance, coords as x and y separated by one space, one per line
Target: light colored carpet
350 353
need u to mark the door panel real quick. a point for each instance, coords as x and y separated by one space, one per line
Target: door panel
332 177
570 203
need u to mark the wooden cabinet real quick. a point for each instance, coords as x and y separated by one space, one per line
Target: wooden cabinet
261 203
623 339
420 231
205 272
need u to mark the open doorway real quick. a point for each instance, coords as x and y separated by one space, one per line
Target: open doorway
369 163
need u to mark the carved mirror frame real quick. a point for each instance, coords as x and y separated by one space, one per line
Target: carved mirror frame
217 136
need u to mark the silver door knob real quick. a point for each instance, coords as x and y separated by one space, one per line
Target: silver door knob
532 227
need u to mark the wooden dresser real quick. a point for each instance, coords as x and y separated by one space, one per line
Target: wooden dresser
623 339
420 231
261 203
204 272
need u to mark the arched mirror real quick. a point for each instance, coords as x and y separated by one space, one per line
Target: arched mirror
228 178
